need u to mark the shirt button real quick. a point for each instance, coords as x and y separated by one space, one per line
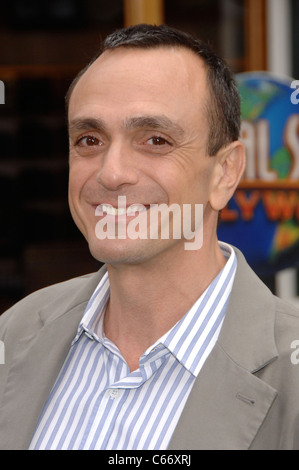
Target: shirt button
113 393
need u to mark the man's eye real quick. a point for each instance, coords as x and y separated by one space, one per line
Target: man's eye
88 141
157 141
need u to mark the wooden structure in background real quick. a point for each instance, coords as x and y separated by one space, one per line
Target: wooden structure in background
255 29
143 11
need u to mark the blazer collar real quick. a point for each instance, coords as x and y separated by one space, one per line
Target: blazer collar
247 335
250 312
228 404
82 289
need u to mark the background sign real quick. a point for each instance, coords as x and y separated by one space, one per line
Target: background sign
262 219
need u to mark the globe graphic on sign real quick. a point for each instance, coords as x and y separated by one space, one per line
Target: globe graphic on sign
269 235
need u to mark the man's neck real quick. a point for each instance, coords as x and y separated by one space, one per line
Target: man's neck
148 300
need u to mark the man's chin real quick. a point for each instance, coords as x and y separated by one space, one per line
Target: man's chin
116 252
130 252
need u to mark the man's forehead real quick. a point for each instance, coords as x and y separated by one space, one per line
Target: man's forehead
178 58
169 80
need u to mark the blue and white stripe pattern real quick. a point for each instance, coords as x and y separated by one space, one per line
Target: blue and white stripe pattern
97 403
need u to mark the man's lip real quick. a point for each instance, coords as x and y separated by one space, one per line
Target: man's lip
99 211
94 206
115 206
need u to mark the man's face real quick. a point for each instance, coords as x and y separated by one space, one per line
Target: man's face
138 128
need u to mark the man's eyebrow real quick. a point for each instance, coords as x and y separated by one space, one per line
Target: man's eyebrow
159 122
154 122
84 124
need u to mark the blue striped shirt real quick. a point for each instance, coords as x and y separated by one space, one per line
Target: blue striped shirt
96 403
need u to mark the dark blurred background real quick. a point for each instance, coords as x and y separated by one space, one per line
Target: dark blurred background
43 45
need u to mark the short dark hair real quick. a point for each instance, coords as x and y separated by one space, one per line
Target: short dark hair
223 109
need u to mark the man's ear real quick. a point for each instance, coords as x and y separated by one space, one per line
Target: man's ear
228 170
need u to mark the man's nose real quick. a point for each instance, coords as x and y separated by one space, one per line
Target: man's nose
117 168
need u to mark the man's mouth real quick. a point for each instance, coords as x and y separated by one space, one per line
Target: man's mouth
108 209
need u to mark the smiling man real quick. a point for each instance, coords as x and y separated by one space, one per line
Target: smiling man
165 347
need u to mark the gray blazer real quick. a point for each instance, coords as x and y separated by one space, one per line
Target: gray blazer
245 397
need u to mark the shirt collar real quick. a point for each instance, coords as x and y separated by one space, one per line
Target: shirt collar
197 331
186 339
93 318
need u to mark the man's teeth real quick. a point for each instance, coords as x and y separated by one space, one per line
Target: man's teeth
135 208
110 210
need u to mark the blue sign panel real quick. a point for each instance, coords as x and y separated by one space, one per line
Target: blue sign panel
262 219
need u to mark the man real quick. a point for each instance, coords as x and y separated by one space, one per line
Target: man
170 345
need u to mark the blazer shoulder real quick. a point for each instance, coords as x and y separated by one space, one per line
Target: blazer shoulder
284 307
286 325
58 297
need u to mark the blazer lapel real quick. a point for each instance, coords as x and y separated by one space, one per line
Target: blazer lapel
37 364
34 371
228 403
225 409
